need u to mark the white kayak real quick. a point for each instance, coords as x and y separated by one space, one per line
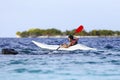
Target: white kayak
54 47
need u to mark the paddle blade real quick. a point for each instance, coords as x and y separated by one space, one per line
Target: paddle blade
79 29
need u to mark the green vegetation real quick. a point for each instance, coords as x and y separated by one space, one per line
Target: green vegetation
35 32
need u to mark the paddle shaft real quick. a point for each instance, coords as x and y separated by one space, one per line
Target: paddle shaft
58 48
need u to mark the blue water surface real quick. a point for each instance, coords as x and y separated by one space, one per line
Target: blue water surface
34 63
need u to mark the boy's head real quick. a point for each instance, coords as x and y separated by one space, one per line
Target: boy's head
70 36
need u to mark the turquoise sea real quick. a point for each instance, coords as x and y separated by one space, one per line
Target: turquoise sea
34 63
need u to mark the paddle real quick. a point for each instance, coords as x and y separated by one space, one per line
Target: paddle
79 29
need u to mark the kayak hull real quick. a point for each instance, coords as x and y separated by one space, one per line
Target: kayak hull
54 47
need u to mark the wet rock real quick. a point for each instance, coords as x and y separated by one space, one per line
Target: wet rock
9 51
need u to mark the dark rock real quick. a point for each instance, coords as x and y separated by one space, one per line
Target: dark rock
9 51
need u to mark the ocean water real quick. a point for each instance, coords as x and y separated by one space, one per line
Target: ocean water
34 63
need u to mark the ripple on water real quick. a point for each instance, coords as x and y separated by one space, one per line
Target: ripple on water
35 71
